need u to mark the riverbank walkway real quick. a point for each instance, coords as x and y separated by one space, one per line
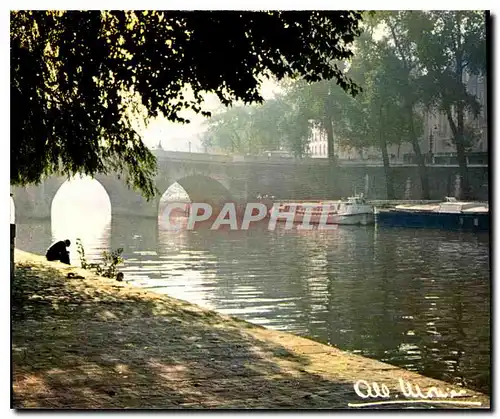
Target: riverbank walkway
99 343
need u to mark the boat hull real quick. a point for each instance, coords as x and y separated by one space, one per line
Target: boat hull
352 219
459 221
336 219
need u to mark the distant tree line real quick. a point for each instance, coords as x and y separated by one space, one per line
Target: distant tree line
406 62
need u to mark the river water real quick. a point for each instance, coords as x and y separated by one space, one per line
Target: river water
418 299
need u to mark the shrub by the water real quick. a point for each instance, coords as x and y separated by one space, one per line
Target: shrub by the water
107 267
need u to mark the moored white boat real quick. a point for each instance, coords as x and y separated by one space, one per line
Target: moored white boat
351 211
354 210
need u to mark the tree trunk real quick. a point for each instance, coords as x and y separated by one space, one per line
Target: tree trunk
385 158
328 126
465 192
422 168
458 140
329 138
387 170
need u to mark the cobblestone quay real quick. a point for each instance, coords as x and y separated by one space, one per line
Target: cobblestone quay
96 343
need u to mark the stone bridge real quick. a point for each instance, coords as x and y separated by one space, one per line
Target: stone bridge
216 179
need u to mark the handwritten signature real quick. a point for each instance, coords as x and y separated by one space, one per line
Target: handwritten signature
412 392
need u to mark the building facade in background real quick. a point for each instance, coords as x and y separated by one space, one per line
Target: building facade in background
318 144
436 142
318 147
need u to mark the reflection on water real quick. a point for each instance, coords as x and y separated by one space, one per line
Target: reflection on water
414 298
81 210
94 236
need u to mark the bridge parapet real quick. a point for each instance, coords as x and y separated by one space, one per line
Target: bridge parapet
164 155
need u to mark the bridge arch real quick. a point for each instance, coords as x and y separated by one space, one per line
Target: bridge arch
83 189
81 209
201 188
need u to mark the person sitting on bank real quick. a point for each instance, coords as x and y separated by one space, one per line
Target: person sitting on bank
58 252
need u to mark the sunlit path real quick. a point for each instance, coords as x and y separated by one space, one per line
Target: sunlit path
82 209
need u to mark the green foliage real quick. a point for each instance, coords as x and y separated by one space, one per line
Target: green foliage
274 125
81 80
108 266
435 50
357 121
375 117
410 68
456 46
378 115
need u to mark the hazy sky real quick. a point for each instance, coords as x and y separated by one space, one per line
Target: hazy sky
176 137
